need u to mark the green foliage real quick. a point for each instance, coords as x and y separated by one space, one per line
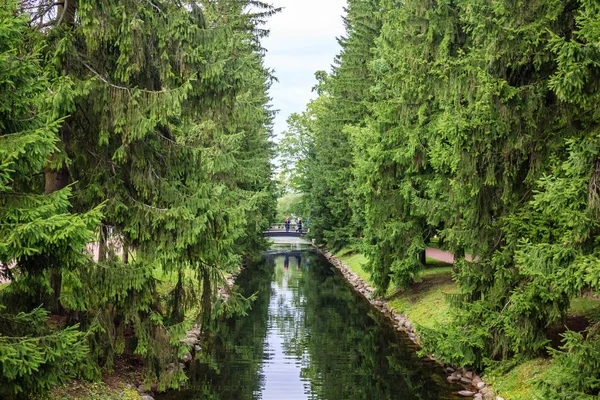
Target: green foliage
574 373
38 234
168 127
475 122
33 358
520 381
288 204
318 141
157 114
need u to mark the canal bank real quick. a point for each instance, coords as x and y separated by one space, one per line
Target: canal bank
309 335
290 350
473 385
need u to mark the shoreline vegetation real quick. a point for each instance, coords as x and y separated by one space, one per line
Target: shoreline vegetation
471 126
425 305
125 381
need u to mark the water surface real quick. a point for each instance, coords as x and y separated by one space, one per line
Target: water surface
309 336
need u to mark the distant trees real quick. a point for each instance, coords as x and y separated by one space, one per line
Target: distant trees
474 122
142 127
333 200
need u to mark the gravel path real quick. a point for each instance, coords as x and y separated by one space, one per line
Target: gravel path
444 256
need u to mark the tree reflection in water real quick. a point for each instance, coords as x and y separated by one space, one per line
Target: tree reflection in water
309 336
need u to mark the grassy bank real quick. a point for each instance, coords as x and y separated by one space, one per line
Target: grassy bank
425 305
78 390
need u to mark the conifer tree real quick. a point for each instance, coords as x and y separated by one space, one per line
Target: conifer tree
480 128
465 126
166 125
39 236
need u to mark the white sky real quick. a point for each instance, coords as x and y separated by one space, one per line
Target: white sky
302 41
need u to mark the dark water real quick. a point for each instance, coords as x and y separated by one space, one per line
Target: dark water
309 336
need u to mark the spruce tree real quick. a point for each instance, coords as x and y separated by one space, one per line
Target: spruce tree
478 126
464 132
166 124
39 236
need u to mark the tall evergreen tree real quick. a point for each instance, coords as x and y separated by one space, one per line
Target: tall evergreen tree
479 127
166 124
39 236
497 129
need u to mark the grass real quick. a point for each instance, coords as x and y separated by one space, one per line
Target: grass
585 307
432 262
79 390
424 303
356 262
3 286
519 382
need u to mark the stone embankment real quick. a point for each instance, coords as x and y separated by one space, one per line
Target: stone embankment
472 384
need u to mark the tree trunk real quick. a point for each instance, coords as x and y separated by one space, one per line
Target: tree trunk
125 255
102 243
206 298
66 12
57 179
423 257
177 314
54 181
459 254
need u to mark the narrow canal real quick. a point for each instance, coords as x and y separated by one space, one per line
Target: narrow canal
309 336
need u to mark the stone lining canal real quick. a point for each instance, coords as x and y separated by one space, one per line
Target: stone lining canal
308 335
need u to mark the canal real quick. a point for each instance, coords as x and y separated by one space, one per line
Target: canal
308 335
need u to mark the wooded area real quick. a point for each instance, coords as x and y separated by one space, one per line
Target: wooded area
138 132
474 124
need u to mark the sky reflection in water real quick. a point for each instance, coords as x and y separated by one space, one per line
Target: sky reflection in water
309 336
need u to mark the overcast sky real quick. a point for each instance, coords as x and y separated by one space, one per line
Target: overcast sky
302 41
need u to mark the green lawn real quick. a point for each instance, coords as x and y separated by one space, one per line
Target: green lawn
355 261
585 307
519 382
425 304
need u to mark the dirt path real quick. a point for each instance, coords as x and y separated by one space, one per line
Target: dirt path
444 256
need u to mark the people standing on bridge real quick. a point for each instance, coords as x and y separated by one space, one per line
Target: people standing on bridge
287 224
299 225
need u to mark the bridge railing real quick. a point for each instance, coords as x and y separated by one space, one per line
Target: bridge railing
281 227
